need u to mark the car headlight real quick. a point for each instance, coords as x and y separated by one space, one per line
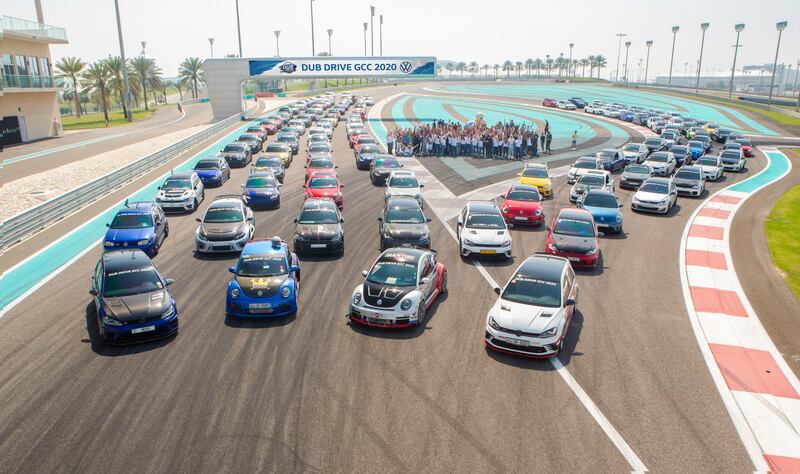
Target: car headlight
286 291
405 305
619 217
241 235
336 237
469 242
168 312
143 242
505 210
186 193
551 246
109 321
357 298
235 293
506 243
538 212
546 186
592 251
493 324
108 243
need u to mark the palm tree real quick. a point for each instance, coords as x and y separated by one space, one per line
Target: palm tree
549 63
460 67
600 63
114 65
142 66
507 67
473 68
190 71
486 70
496 67
538 64
591 59
583 63
450 67
71 67
96 78
518 66
528 66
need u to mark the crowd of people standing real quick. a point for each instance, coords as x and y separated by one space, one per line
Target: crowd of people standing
504 140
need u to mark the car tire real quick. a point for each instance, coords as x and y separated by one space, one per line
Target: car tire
421 313
443 285
166 230
194 205
100 331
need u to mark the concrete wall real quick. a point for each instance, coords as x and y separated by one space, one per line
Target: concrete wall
224 82
27 48
38 109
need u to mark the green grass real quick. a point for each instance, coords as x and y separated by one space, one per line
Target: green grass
777 117
783 225
98 120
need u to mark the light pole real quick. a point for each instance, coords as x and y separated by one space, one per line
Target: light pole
560 63
380 34
277 43
127 93
569 69
238 28
330 33
619 50
144 45
739 27
371 31
627 49
647 62
313 51
672 56
781 25
211 43
548 64
794 89
366 25
704 27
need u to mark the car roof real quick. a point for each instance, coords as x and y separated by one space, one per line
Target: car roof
319 202
138 206
656 180
482 206
126 259
543 267
598 172
262 174
403 254
542 166
587 158
600 191
264 247
523 187
227 201
690 168
402 173
575 213
181 175
402 201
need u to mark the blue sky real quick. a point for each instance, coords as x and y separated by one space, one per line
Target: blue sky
486 32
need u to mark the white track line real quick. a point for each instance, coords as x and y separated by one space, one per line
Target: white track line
613 435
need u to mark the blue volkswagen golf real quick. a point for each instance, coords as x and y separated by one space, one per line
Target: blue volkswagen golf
141 225
266 281
262 189
604 207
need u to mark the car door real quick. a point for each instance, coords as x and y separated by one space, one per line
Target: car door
426 271
97 284
160 224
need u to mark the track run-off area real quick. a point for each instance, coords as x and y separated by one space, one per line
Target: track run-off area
642 382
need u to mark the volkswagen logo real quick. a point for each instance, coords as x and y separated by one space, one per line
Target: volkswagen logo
260 293
380 302
406 66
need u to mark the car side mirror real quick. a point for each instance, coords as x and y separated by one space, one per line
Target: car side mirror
497 290
571 302
547 228
232 269
620 205
159 188
295 268
341 220
108 225
364 273
428 219
168 281
601 234
421 185
295 220
425 281
93 292
335 166
509 225
380 219
198 219
303 185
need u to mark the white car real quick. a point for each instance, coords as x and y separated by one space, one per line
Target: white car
589 109
635 152
594 179
711 166
661 163
403 183
401 285
732 160
581 166
532 313
612 113
564 105
482 230
655 195
181 191
369 100
298 124
226 226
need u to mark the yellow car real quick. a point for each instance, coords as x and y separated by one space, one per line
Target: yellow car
268 162
282 150
537 174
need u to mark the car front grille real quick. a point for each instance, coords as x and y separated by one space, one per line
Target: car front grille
514 347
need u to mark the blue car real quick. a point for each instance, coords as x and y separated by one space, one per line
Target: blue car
613 159
682 154
578 102
138 225
213 171
131 300
604 208
262 189
627 115
266 281
697 148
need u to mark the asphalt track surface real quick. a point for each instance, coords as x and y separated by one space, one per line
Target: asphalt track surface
78 146
312 393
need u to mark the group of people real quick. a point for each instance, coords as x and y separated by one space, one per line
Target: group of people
504 140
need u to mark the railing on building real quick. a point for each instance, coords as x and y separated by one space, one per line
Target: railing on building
28 27
33 82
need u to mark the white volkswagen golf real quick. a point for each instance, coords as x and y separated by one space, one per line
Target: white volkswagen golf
482 230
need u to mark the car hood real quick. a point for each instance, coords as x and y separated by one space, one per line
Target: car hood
261 191
652 197
578 171
539 182
571 243
137 307
691 181
129 235
522 205
403 191
261 286
322 192
384 296
656 164
603 215
486 236
641 176
318 231
525 318
204 173
405 230
221 229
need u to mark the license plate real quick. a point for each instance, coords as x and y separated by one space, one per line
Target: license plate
488 252
143 329
520 218
574 259
317 246
260 306
260 310
517 342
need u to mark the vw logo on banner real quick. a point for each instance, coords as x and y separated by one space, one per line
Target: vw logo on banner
405 66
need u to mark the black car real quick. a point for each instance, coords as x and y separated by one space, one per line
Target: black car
289 139
252 140
578 102
403 224
365 155
682 154
721 135
131 301
318 228
237 154
655 144
257 131
381 167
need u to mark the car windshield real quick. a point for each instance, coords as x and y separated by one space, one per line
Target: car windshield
730 154
404 215
276 148
606 154
533 291
637 169
261 182
320 163
223 214
233 148
176 184
653 141
403 182
132 221
322 183
657 188
743 141
393 273
268 162
529 195
600 200
631 147
365 140
679 149
261 265
133 281
708 161
695 144
658 158
573 227
247 138
485 221
207 165
319 149
589 165
534 173
387 163
317 215
369 148
592 179
286 139
687 174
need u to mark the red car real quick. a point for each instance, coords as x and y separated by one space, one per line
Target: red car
269 126
522 204
573 235
747 146
354 137
325 185
316 164
550 103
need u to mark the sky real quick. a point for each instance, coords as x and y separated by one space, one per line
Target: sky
488 32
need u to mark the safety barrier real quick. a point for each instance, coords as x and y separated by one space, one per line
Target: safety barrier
27 222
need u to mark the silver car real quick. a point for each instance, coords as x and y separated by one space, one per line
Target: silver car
596 179
226 226
635 152
689 180
634 175
181 191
